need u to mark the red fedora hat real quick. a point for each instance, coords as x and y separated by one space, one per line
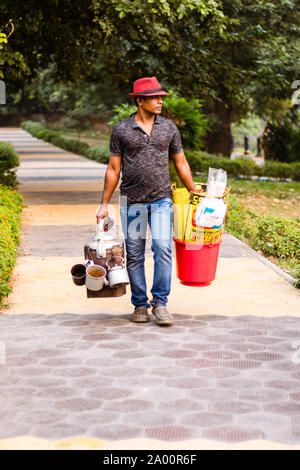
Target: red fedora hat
147 86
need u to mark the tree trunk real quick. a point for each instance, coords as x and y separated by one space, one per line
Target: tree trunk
220 140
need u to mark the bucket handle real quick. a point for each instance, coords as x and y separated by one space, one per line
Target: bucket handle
174 186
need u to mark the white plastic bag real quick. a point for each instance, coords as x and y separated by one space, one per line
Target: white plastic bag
210 213
216 182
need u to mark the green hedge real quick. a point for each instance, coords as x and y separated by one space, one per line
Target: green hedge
201 161
55 138
99 154
296 170
8 160
11 205
32 127
72 145
46 134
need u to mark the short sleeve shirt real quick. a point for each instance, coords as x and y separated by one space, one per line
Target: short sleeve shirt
145 160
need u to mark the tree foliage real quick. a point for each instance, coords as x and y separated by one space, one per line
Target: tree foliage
75 33
221 51
282 141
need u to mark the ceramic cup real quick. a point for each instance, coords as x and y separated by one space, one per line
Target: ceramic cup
78 274
95 277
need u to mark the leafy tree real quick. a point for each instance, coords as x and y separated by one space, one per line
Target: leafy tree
191 122
258 60
9 60
60 32
81 102
282 140
121 112
220 51
75 33
241 49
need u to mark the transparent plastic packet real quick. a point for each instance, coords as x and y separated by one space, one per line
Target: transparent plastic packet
216 182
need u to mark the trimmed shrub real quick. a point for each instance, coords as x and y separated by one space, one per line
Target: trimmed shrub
9 178
232 167
8 156
72 145
39 131
295 171
55 137
47 134
32 127
98 153
199 162
278 170
9 159
203 154
248 167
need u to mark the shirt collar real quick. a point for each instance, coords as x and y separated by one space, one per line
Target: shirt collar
134 124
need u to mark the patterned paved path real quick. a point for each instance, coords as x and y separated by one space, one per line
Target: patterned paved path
75 372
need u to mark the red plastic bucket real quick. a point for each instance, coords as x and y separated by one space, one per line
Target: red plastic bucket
196 263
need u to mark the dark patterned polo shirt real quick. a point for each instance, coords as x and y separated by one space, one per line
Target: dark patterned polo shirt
145 168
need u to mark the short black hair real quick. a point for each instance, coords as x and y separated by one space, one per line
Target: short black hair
135 100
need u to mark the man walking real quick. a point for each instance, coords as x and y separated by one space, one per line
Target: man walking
140 145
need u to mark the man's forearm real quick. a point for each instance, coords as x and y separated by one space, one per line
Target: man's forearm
110 183
184 173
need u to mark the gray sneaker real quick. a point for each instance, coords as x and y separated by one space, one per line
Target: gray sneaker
140 315
162 316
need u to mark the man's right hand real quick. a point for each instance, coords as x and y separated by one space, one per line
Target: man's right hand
111 180
102 213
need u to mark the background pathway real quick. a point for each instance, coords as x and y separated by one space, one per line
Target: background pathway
227 372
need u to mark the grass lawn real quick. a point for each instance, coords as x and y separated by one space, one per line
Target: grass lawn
268 198
278 199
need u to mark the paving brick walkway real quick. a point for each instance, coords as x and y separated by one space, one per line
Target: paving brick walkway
227 372
215 377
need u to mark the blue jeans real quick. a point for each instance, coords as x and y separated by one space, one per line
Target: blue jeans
134 219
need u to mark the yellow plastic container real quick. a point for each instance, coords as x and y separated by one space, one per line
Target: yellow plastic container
184 215
181 203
